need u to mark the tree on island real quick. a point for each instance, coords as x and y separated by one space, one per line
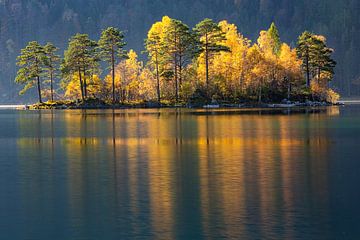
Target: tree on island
79 58
178 67
181 44
154 47
210 37
111 45
31 62
171 46
52 61
275 37
316 56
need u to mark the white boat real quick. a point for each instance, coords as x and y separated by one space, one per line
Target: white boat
212 106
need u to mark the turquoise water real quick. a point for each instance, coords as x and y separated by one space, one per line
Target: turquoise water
180 174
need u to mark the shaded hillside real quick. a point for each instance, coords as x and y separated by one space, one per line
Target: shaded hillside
50 20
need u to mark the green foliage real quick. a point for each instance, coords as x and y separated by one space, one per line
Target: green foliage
274 34
209 35
81 57
316 56
31 63
111 46
52 61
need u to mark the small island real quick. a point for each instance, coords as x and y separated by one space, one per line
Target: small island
211 65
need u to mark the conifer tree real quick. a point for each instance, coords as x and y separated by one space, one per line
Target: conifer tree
304 50
154 46
79 58
316 56
111 46
274 35
180 49
51 64
31 62
210 37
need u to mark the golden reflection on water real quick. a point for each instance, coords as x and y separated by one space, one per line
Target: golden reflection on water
246 168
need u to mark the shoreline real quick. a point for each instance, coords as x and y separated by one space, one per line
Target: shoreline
89 106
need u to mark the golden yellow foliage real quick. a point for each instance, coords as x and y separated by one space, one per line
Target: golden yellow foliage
324 93
132 80
94 87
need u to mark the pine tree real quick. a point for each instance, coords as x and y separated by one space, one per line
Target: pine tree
80 58
274 35
321 58
210 37
31 62
154 47
111 46
316 56
51 63
304 50
179 45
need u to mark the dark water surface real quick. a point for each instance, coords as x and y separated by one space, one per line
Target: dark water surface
180 174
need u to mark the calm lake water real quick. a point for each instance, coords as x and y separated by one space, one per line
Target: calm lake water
180 174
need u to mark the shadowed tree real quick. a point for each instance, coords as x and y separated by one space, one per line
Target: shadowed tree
304 50
316 56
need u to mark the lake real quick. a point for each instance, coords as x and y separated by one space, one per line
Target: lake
180 174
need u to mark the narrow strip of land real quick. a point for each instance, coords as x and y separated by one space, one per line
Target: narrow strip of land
12 107
350 101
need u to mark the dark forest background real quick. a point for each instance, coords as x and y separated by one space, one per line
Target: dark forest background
56 20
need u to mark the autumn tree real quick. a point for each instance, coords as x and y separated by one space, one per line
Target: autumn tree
31 63
111 46
52 61
73 91
260 69
133 80
210 37
231 67
290 69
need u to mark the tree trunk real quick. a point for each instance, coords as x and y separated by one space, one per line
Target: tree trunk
207 61
85 84
260 91
289 87
157 78
81 84
180 71
52 86
175 70
113 74
176 80
39 88
307 71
